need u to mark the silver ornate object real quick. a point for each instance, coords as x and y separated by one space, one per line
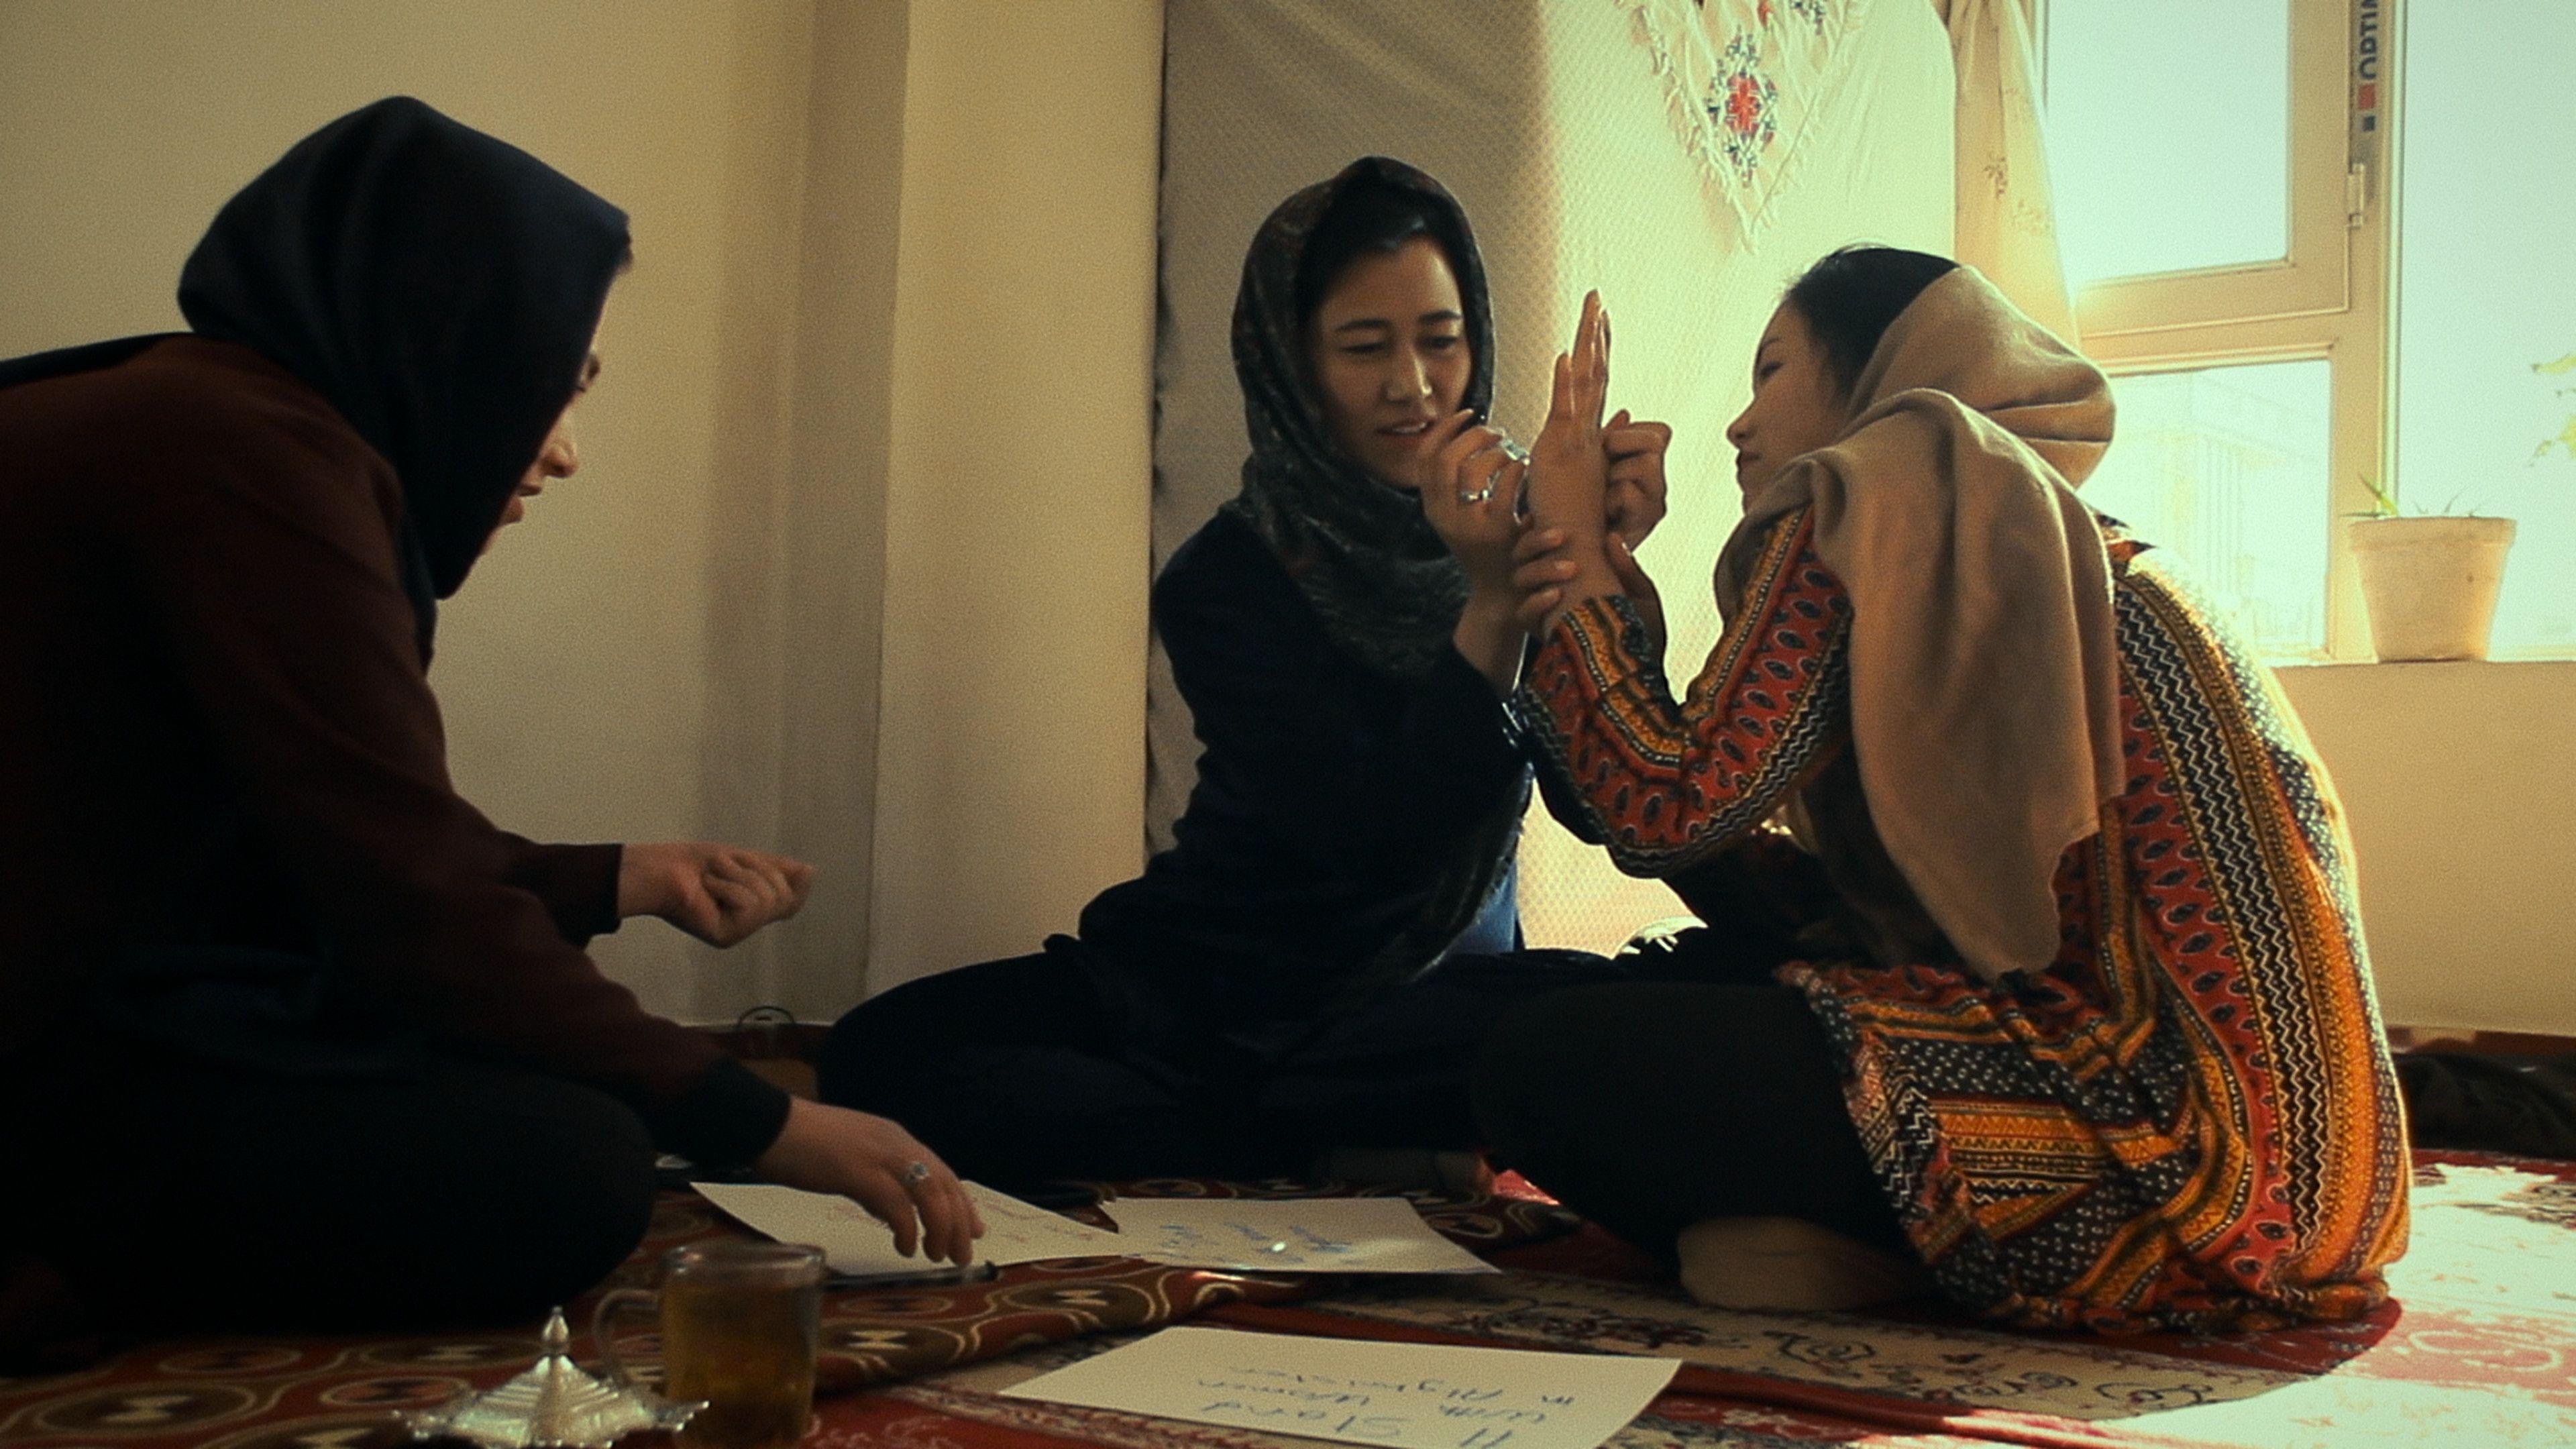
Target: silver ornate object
554 1405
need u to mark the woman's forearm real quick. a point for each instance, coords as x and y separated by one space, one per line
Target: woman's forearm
1593 577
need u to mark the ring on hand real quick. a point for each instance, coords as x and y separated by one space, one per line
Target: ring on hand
916 1173
1471 499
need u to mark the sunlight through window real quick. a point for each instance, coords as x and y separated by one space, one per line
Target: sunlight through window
2486 342
2226 466
2168 134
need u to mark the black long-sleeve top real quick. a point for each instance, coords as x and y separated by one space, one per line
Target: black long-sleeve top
1330 800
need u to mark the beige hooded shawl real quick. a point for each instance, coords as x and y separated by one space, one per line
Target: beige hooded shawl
1984 667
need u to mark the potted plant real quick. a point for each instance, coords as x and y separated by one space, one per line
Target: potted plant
2430 580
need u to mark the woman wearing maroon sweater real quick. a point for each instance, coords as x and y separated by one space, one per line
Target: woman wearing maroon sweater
289 1033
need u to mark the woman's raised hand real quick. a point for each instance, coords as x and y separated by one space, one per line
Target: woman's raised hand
1469 480
1634 450
717 893
1569 468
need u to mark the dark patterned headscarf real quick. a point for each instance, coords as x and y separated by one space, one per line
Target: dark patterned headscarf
1384 585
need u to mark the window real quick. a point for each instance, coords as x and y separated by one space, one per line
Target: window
2227 467
2233 179
2486 294
2216 180
2147 103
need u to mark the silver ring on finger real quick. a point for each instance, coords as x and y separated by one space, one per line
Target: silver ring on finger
915 1173
1473 497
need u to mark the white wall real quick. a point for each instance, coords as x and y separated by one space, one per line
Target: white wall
2457 778
572 668
1012 755
685 640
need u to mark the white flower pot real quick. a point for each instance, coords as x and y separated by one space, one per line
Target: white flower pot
2430 583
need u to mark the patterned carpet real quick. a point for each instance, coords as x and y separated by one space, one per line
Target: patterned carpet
2478 1349
344 1393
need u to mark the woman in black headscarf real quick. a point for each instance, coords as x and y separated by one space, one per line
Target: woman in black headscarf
1311 965
290 1034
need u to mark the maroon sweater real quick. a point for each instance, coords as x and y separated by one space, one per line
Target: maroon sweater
216 730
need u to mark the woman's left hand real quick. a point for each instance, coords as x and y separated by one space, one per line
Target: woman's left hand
1635 450
717 893
1569 464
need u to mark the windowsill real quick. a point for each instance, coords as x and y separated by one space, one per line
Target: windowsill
2512 664
2508 663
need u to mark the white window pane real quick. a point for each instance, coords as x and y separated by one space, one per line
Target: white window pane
2168 134
2487 293
2226 466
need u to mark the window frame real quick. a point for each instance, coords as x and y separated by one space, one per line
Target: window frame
2331 298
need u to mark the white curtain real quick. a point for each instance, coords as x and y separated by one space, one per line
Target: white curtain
2007 220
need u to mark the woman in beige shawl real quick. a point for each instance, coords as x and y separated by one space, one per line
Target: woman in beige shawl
2032 957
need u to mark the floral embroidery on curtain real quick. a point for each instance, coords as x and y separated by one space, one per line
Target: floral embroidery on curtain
1743 80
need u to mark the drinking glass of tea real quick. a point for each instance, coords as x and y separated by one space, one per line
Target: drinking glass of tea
739 1325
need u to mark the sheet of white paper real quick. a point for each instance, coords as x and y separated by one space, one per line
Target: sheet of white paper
1298 1235
855 1243
1414 1395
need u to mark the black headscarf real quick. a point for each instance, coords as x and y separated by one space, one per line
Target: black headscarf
440 288
1381 580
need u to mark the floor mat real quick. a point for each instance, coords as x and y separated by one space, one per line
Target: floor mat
2478 1346
2476 1350
346 1393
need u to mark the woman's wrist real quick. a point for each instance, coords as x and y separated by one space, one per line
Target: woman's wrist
643 882
1593 579
1490 638
1587 546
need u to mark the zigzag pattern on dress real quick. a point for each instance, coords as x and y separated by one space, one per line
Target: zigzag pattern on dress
2188 1120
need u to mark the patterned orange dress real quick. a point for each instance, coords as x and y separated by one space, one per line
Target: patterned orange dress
2188 1119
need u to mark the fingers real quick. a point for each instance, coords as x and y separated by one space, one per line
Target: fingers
794 879
1622 440
1543 573
970 1226
1483 473
1461 461
1591 369
948 1219
753 889
1536 544
731 892
745 900
876 1189
1532 611
1437 442
1640 589
1624 566
801 876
